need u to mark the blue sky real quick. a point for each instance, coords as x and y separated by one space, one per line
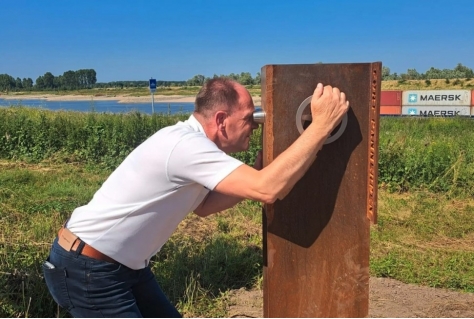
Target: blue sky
175 40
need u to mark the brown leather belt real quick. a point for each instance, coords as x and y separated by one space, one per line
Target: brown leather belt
71 242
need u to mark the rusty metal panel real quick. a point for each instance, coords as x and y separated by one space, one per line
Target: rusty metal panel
391 98
316 240
472 98
436 98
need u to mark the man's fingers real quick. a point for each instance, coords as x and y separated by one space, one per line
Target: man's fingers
318 91
342 98
328 89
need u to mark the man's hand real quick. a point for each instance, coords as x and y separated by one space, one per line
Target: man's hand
275 180
328 106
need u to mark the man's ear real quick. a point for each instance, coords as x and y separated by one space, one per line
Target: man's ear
220 118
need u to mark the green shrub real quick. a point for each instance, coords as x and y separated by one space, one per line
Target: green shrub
34 135
432 153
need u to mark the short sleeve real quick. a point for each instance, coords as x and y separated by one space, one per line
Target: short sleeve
196 159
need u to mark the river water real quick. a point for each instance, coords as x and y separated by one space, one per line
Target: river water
102 106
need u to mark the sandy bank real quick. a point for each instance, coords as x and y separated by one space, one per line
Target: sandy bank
119 98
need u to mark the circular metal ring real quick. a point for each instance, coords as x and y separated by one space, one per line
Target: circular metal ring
299 124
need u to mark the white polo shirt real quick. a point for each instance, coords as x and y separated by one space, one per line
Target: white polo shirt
142 202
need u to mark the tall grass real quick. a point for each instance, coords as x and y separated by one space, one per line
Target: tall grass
436 154
432 153
105 139
199 264
52 162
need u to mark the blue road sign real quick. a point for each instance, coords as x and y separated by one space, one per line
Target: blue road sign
152 84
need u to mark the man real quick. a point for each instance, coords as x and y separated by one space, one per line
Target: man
98 264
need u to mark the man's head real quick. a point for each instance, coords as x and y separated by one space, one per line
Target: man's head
225 109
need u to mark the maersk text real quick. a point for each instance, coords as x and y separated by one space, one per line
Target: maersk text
439 113
436 97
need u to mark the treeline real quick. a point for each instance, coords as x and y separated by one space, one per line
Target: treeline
87 79
244 78
137 84
459 72
69 80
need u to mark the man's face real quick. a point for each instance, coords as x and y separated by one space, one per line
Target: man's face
240 125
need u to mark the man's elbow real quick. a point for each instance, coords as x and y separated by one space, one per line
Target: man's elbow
271 196
202 212
268 198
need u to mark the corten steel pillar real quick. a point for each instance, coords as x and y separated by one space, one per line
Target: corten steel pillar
316 240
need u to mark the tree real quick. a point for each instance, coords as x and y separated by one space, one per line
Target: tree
245 78
234 77
464 71
48 80
18 84
433 73
86 78
27 83
258 79
412 74
197 80
385 73
7 82
91 76
58 82
70 81
39 83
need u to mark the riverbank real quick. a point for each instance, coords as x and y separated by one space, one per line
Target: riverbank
119 98
97 97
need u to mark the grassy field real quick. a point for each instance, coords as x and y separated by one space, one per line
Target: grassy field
435 84
425 233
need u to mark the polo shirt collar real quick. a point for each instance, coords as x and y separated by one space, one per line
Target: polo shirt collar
194 123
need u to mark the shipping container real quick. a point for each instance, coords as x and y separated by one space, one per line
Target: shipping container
472 98
390 110
391 98
437 110
437 98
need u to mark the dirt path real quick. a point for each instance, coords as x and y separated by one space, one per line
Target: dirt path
388 299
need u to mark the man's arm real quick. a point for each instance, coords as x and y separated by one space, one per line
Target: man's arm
275 181
216 202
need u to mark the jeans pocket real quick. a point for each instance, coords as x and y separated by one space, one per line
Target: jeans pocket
55 279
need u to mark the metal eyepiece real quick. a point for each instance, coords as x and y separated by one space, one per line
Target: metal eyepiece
259 115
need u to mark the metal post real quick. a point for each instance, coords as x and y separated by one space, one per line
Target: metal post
316 240
152 86
152 103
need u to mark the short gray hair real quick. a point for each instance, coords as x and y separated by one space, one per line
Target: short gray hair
216 94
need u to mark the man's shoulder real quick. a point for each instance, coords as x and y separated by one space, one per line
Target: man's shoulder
180 134
179 131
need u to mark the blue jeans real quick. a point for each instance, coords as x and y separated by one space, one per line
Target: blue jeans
88 287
